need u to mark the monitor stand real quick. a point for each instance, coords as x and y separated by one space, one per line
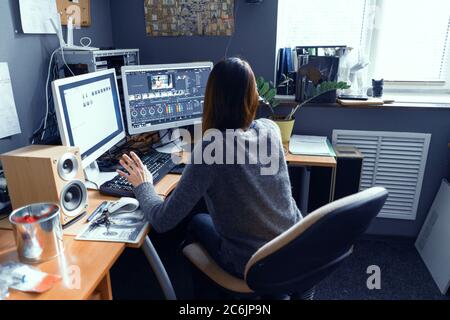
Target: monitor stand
95 178
171 142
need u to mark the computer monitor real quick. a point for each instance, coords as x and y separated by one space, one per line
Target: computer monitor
160 97
90 117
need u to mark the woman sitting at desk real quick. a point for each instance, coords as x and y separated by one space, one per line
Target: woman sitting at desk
246 208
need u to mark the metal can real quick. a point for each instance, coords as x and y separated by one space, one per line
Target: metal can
38 232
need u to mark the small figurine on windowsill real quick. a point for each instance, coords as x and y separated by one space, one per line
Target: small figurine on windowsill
377 88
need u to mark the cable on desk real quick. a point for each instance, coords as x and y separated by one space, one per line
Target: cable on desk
94 183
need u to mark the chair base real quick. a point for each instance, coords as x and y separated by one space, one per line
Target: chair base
307 295
206 289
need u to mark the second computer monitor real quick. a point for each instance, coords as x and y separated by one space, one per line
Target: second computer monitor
159 97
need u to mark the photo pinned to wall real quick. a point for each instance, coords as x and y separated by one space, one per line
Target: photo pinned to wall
189 17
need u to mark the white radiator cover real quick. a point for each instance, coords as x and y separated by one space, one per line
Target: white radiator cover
393 160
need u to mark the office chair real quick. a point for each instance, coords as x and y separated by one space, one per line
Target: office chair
296 261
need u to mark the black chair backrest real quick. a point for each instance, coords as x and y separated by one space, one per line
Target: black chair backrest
308 252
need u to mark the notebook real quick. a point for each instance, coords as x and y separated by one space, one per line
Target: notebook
310 146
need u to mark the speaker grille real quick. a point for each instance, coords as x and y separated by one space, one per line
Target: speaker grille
74 198
68 167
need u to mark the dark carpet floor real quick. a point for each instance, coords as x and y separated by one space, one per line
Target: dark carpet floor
403 274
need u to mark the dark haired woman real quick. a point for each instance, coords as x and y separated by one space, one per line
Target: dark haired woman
246 208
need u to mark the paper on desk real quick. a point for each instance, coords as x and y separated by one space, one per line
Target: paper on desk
24 278
124 228
36 16
9 120
309 145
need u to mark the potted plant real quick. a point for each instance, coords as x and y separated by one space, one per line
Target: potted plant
268 93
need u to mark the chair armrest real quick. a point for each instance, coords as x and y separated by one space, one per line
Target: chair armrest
203 261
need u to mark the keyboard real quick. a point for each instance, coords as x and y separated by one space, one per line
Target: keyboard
159 164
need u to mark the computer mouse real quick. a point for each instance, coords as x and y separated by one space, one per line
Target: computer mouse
124 205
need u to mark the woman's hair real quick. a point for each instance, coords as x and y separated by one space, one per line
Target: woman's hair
231 99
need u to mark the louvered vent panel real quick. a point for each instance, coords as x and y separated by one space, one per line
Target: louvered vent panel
393 160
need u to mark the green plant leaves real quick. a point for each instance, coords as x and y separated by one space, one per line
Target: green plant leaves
259 83
265 89
267 92
270 95
321 89
328 86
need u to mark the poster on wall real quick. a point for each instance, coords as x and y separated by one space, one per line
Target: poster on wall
172 18
36 16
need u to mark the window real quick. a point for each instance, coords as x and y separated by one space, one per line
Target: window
412 40
406 41
322 22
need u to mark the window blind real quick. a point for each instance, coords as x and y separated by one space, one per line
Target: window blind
322 22
412 41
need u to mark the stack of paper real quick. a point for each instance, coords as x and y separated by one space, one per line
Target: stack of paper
309 146
9 120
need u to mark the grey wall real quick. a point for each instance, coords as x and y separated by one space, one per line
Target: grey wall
28 57
255 39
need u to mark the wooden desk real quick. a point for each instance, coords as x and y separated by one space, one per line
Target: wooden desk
95 259
307 162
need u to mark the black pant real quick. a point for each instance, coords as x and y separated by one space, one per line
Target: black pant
201 229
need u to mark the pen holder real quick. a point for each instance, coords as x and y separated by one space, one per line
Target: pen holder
38 232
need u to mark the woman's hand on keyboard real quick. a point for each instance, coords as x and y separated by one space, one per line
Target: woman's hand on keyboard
137 172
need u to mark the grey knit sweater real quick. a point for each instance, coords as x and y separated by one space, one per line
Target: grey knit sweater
248 209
